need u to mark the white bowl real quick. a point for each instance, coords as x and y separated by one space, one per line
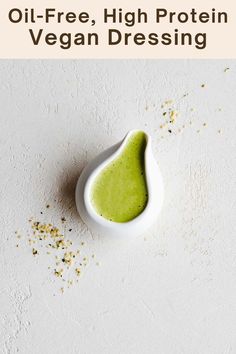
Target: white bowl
155 189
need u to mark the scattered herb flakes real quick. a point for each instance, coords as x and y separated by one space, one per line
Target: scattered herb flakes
77 271
60 244
169 114
58 248
173 116
68 258
58 273
226 70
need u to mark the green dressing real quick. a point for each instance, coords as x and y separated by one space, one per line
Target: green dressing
119 192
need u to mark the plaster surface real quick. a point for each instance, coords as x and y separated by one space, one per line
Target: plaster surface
172 290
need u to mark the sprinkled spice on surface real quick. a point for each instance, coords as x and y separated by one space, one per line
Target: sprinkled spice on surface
78 271
173 115
63 255
58 272
170 123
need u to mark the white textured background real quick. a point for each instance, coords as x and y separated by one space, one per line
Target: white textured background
172 291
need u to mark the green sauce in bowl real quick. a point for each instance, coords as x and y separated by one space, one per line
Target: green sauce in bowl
119 193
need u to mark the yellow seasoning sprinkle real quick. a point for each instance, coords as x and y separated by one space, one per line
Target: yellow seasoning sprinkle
78 271
58 273
60 244
173 115
55 243
68 258
34 251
